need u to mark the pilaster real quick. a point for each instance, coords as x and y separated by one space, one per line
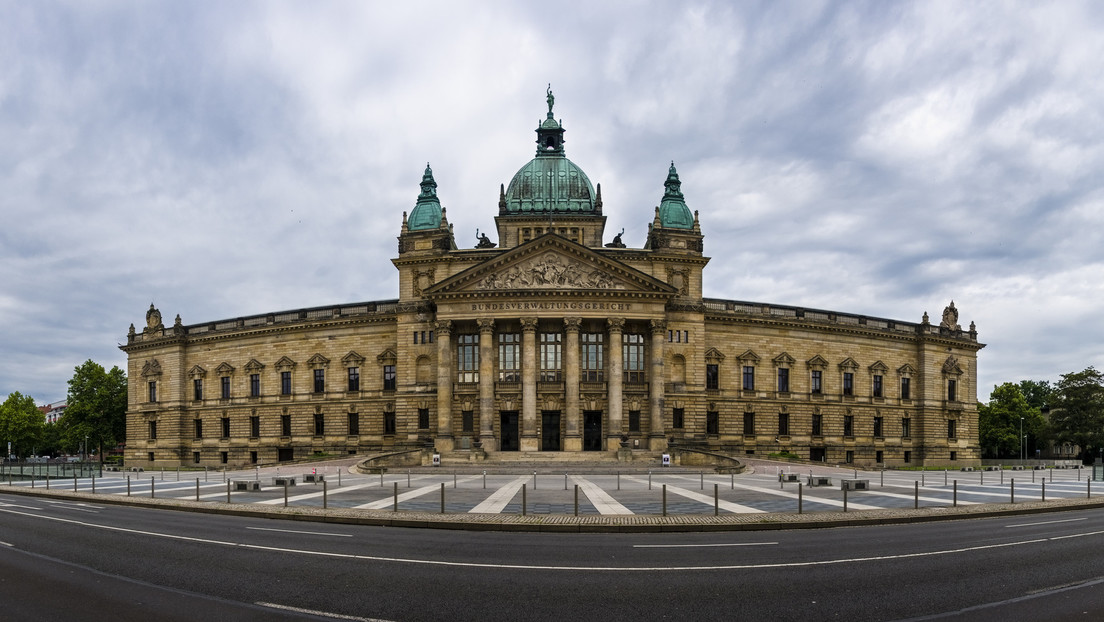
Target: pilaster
530 441
444 386
573 440
614 383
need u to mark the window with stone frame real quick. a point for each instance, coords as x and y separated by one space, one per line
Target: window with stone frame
749 423
285 425
633 358
593 363
783 424
389 423
353 420
749 378
634 421
153 390
783 380
551 357
677 418
224 381
952 390
197 389
226 427
467 422
818 425
423 418
285 383
199 428
848 383
849 425
906 388
319 380
255 385
254 426
712 422
389 377
952 429
354 378
509 357
319 424
878 432
712 377
906 427
816 382
876 385
152 430
467 358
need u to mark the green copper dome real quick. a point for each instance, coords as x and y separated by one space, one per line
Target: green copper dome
673 212
549 182
427 213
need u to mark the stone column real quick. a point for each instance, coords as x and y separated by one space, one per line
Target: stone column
530 440
444 441
657 441
615 383
486 384
574 438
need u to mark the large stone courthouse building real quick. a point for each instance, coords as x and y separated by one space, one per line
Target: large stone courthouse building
553 339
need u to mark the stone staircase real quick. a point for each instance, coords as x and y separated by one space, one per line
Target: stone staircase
575 461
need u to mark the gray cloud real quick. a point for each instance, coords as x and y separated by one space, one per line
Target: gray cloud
228 159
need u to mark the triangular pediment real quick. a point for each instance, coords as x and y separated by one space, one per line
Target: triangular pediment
817 362
848 363
549 264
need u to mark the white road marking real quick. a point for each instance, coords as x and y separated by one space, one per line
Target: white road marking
389 501
706 499
336 616
310 533
313 495
694 546
1048 522
600 499
455 564
500 498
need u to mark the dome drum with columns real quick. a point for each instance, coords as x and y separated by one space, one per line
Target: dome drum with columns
552 338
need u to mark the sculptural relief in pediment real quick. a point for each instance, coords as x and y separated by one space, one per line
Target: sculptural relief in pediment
550 271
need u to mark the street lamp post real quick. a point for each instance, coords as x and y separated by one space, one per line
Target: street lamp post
1021 441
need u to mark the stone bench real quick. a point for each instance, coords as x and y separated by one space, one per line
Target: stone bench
283 481
313 478
246 484
787 477
819 480
854 484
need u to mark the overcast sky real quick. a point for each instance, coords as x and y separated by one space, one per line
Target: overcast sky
222 159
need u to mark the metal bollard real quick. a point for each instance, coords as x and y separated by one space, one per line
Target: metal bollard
882 478
285 493
228 491
565 481
442 497
954 499
94 484
74 481
701 474
732 480
408 478
454 480
1044 491
523 500
325 495
381 478
339 478
534 480
178 474
799 497
915 495
151 487
944 477
716 501
845 499
1012 490
665 499
922 479
576 499
649 480
395 503
619 480
1088 489
197 489
484 480
128 485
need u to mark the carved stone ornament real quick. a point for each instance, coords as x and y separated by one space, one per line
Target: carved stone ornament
950 318
550 271
153 319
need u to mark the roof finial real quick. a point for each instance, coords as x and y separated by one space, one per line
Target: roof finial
551 99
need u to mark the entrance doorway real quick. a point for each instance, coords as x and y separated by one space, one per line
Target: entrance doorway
592 430
816 454
509 431
285 454
550 430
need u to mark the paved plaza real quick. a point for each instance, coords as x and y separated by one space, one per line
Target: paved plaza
605 491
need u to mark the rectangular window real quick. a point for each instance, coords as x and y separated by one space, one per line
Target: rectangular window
908 457
879 457
253 457
906 428
749 423
783 424
878 426
818 424
254 426
224 457
676 418
905 382
225 387
783 380
749 378
153 391
633 352
285 425
848 383
285 383
952 390
354 378
353 424
951 431
388 377
199 428
423 418
319 380
255 385
226 427
876 389
389 423
195 457
467 358
197 389
850 457
816 382
592 362
149 456
153 430
634 421
712 422
551 353
319 424
430 333
467 421
848 425
509 357
712 377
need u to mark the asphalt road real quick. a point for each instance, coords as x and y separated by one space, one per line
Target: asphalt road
61 560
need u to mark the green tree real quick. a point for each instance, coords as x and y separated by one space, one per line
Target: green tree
1001 420
1038 393
96 407
1077 409
21 424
